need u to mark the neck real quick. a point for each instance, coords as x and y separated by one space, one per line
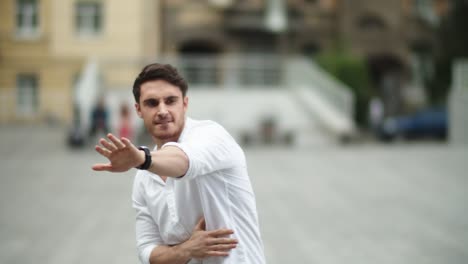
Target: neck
160 142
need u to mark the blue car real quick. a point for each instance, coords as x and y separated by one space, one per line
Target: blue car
429 123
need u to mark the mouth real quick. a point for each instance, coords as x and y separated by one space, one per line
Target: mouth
163 122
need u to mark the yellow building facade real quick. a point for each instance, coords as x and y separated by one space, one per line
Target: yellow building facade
45 44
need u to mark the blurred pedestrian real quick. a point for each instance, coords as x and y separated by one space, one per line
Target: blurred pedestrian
125 126
376 115
192 193
99 118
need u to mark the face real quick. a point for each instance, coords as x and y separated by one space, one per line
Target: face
162 108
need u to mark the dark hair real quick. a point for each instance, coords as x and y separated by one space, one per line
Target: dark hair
157 71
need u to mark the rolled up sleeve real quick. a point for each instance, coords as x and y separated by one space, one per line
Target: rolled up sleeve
208 150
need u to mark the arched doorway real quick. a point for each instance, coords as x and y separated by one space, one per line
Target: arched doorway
199 61
262 62
199 47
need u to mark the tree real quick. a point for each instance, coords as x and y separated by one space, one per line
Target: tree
452 44
351 70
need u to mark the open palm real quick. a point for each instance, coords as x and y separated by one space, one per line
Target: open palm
122 155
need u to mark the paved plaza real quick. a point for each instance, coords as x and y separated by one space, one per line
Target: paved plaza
368 203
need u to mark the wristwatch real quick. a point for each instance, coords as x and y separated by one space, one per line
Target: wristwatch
147 162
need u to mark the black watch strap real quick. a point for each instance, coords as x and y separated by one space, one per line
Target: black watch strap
147 162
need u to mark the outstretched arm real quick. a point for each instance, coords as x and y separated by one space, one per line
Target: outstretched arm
123 155
201 244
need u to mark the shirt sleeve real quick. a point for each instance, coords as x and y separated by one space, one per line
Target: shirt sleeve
209 149
147 232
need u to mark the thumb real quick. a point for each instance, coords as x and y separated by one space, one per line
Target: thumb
201 225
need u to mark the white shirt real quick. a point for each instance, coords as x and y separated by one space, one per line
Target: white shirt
215 186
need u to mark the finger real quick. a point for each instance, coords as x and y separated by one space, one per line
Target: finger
201 225
222 247
102 167
116 141
126 142
221 232
108 144
217 253
220 241
104 152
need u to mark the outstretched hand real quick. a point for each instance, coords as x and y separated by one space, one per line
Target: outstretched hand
121 153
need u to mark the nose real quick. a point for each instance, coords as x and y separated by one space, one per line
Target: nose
162 111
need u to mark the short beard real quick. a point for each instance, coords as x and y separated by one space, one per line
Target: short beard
172 137
166 137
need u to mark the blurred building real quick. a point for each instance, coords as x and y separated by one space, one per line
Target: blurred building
45 45
395 37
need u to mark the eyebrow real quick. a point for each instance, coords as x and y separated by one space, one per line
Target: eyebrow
171 97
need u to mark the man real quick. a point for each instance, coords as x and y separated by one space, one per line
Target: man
192 187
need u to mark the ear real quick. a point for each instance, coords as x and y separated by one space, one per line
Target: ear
138 110
185 103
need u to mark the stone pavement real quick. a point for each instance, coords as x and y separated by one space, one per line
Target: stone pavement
357 204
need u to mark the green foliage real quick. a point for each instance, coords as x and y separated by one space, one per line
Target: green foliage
453 44
353 72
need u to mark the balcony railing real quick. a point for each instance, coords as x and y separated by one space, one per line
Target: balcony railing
230 72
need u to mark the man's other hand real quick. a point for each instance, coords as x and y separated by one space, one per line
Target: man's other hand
204 244
121 153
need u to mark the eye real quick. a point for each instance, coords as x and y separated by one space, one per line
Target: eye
171 100
151 102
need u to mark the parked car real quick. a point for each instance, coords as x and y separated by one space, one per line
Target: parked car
429 123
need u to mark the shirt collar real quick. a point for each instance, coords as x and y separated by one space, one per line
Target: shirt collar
188 124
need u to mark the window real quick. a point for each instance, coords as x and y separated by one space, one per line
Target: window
27 94
371 23
425 9
88 18
27 18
